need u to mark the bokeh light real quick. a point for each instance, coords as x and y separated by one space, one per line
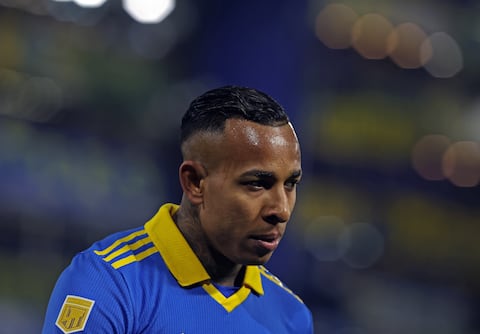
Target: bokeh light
427 155
90 3
441 55
149 11
328 238
87 13
461 163
361 245
322 237
369 35
90 103
374 36
334 26
404 44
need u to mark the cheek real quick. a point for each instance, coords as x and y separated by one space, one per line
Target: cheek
229 219
293 199
228 206
224 199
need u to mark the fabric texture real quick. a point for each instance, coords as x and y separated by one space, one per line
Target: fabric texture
148 280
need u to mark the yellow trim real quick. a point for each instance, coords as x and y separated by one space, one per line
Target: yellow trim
177 254
126 248
79 301
277 281
228 303
118 242
135 257
253 280
184 264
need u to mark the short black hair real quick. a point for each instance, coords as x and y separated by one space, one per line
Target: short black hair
209 111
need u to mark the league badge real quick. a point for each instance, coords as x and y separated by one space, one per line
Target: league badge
74 314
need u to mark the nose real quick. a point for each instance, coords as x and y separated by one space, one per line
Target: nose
279 207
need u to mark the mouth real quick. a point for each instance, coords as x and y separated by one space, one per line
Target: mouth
268 242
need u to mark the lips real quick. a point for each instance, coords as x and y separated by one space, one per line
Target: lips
267 241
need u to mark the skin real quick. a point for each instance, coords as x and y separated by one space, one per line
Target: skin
239 190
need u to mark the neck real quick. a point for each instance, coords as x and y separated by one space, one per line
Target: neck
221 270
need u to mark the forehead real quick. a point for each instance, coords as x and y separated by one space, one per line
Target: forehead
252 145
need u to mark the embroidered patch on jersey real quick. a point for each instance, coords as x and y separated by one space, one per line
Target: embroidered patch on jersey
74 314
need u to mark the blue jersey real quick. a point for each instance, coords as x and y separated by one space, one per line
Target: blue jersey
148 280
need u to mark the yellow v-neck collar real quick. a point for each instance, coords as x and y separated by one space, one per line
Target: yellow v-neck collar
185 265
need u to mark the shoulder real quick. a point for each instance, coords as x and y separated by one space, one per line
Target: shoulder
115 258
277 285
286 302
104 279
123 248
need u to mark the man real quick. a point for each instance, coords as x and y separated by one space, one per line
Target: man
198 267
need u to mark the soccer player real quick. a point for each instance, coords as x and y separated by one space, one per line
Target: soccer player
198 267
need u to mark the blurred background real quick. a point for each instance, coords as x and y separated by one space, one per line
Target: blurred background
384 97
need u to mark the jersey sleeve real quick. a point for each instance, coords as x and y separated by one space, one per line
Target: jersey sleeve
301 321
309 329
89 297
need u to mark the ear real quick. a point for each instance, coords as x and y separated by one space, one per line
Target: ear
192 175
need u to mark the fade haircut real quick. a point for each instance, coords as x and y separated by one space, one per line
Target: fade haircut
209 111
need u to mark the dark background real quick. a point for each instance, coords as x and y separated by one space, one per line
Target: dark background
384 97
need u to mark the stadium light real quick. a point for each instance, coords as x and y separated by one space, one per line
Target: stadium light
149 11
90 3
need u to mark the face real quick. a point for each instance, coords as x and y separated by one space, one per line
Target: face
250 190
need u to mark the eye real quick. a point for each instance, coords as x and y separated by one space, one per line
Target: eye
291 184
256 185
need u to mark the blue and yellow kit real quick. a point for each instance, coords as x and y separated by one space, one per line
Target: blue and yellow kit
148 280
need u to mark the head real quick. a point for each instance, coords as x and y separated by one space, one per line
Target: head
241 164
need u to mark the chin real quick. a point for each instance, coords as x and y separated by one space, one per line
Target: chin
260 260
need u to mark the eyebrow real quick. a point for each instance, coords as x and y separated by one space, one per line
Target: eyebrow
265 174
296 174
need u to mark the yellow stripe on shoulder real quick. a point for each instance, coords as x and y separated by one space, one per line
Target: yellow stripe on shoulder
276 280
129 247
134 257
124 246
120 241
